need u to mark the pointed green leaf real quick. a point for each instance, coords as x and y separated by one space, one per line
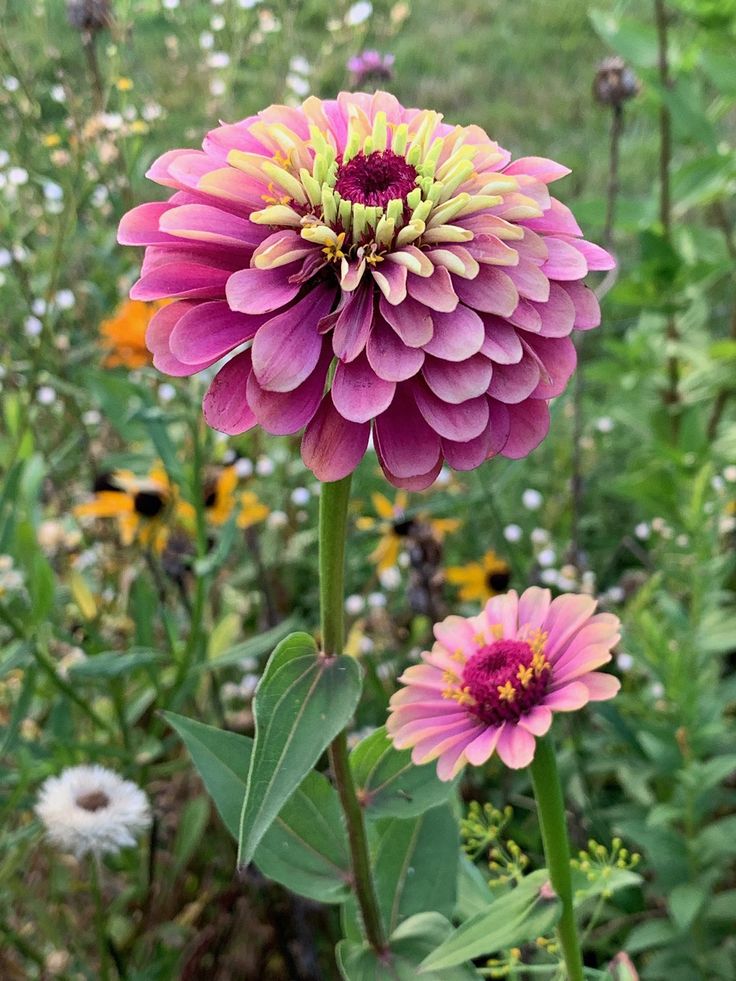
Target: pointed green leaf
409 946
520 915
473 893
415 865
306 848
303 700
389 784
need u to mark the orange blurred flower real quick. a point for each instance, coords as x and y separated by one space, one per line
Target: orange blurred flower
123 336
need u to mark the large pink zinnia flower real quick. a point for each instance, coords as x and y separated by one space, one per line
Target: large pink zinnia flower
373 266
492 682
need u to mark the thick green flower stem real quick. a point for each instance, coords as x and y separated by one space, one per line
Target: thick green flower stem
333 513
551 810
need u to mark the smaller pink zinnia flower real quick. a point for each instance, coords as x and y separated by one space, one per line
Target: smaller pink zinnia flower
492 682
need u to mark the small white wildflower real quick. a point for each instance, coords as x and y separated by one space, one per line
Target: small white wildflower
32 326
625 662
390 578
53 191
298 85
39 307
20 254
45 395
65 299
727 524
206 40
300 496
4 158
217 22
243 467
264 466
247 4
547 557
718 484
17 176
277 519
513 533
166 392
587 582
90 809
604 424
91 417
354 605
531 499
656 689
642 531
169 4
550 577
218 59
217 87
6 258
682 541
730 473
11 83
111 120
539 536
300 64
615 594
57 93
376 600
358 13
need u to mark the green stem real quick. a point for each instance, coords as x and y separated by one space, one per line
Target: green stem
333 514
100 930
551 810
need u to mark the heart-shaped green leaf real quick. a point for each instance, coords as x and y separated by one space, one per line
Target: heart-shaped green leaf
306 848
389 784
303 700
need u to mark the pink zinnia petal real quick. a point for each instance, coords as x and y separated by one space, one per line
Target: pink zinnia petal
358 392
457 335
529 422
287 347
408 446
516 747
260 290
210 330
332 447
389 357
601 686
225 406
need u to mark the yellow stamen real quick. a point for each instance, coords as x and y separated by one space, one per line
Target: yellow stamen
506 692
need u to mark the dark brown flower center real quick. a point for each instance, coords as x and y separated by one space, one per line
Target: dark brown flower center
506 679
148 503
375 179
95 800
498 580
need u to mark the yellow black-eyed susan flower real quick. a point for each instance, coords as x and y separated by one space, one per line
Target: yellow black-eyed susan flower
144 508
395 526
221 499
480 580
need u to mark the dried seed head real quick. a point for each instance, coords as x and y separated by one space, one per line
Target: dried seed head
89 15
614 82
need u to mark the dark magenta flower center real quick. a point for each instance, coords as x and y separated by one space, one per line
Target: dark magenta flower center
375 179
506 679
